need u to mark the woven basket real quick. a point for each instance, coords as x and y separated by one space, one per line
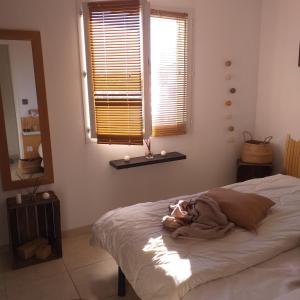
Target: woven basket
256 152
30 166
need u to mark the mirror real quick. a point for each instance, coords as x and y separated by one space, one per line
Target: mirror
25 147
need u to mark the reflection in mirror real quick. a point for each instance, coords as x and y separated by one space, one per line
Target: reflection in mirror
25 146
21 111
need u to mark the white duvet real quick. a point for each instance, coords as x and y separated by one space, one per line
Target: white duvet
161 268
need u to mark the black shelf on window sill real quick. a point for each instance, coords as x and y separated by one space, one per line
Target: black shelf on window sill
142 161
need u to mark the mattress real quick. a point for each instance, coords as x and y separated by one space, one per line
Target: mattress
159 267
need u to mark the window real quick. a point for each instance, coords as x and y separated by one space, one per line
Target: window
168 72
114 33
119 82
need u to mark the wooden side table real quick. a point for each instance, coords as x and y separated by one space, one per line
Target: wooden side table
246 171
34 218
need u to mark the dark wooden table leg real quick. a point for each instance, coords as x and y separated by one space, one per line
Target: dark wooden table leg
121 283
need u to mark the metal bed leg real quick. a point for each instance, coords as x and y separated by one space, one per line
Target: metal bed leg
121 283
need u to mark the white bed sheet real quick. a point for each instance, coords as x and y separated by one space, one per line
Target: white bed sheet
161 268
293 295
275 279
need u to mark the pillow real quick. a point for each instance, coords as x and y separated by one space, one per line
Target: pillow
244 209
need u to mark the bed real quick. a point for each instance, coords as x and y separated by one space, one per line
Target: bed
241 266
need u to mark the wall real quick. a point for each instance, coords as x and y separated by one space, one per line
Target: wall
278 102
84 181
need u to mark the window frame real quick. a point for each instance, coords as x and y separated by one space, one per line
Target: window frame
88 105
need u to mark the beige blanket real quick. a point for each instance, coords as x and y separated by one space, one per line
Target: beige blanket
200 217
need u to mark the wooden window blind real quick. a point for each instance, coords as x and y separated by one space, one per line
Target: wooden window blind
168 72
114 35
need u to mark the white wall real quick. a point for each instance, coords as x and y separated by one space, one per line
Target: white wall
84 181
278 103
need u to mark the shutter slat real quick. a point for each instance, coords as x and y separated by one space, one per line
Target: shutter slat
115 51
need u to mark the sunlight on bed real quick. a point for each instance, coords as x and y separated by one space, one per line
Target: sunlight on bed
168 260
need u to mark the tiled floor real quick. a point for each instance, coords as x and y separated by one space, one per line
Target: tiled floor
84 273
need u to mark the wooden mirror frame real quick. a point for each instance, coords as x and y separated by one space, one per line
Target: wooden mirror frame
7 184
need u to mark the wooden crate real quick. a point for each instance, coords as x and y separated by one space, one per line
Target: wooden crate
34 218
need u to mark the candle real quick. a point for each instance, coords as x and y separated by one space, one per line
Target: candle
46 195
19 198
127 158
163 152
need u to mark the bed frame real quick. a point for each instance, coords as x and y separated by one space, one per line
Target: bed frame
121 283
291 164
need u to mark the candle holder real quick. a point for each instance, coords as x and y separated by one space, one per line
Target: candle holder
148 154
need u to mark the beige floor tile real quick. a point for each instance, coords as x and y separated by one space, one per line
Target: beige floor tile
130 295
57 287
77 252
97 281
26 276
